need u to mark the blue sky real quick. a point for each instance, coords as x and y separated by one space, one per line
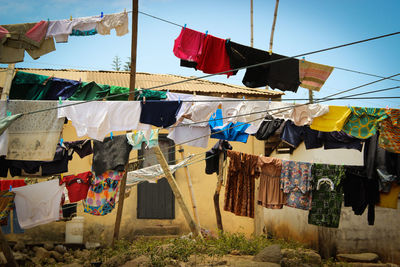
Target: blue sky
302 26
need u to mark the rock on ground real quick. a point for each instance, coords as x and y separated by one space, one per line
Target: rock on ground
269 254
360 257
141 261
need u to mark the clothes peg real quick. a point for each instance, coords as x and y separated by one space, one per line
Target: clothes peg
179 99
70 17
60 100
269 101
61 141
387 107
243 98
10 188
184 27
144 100
124 10
303 59
227 40
270 52
8 99
101 15
206 34
8 113
48 20
111 135
167 91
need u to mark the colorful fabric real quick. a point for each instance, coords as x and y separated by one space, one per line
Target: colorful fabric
189 44
389 134
332 121
136 139
363 122
228 132
313 75
6 204
326 202
102 193
296 184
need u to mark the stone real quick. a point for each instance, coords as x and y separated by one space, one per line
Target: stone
18 256
235 252
92 245
75 264
3 259
117 260
19 246
48 245
60 249
41 253
269 254
311 257
57 256
141 261
360 257
68 257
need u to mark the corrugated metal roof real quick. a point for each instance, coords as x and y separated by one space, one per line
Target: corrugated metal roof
148 80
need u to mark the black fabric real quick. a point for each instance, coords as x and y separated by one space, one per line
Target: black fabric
188 64
241 56
69 210
82 147
159 113
335 140
294 135
4 166
58 165
284 75
360 192
212 163
111 154
268 127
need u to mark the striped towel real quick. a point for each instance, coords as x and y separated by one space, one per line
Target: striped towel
313 75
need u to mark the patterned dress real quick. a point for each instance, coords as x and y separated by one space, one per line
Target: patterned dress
363 122
326 203
102 193
389 137
296 184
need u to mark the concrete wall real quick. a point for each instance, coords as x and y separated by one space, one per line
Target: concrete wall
100 228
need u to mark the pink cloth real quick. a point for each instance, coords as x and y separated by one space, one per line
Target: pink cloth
189 44
38 31
3 32
213 57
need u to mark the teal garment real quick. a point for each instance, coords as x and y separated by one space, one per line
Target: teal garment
136 139
326 202
6 122
83 33
149 94
29 86
363 122
116 90
90 91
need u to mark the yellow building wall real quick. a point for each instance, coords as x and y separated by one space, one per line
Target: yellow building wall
100 228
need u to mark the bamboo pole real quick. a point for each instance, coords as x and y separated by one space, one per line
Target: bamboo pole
7 82
189 180
220 179
135 8
271 39
174 186
251 24
5 248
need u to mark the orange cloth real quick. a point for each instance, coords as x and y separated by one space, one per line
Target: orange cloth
389 200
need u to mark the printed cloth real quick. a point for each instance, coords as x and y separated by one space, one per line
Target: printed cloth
363 122
34 136
189 44
240 183
12 226
136 139
313 75
39 203
214 58
331 121
270 195
6 204
327 195
77 185
389 134
296 178
117 21
102 193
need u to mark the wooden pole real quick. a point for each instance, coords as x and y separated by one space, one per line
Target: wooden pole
135 8
174 186
5 248
192 199
271 39
310 96
220 179
7 82
251 24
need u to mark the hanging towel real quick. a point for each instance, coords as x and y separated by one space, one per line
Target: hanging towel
39 203
189 44
34 136
159 113
153 173
117 21
296 180
363 122
389 137
313 75
213 58
331 121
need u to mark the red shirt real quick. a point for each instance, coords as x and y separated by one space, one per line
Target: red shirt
77 185
5 184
